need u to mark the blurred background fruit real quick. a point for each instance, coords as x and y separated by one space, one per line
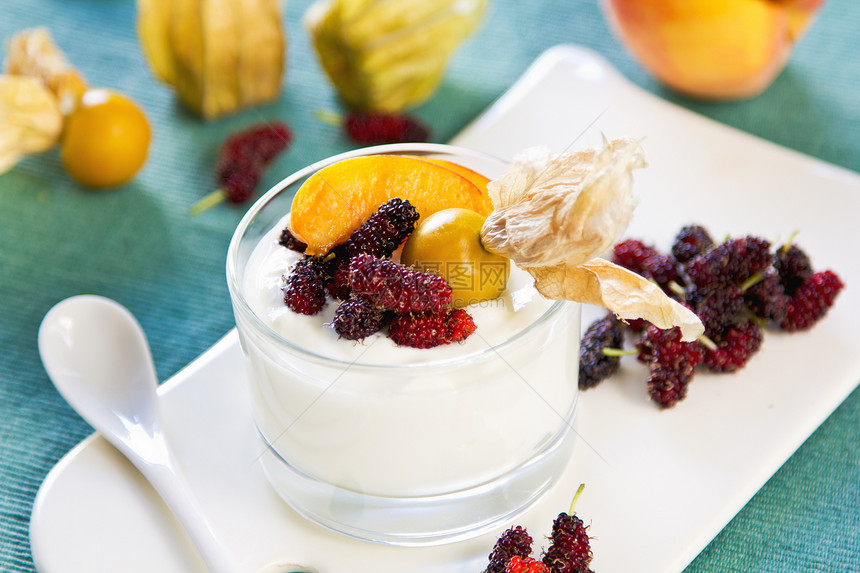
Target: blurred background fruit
730 49
105 139
220 56
30 119
389 55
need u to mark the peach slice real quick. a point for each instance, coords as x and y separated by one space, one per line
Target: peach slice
334 201
479 180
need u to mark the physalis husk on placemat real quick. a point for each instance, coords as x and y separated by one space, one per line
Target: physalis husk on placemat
554 215
30 119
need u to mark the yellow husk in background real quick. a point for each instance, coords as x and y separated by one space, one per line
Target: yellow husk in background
389 55
30 119
32 52
219 55
554 215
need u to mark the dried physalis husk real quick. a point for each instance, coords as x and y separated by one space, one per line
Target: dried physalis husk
30 119
32 52
627 294
552 209
553 215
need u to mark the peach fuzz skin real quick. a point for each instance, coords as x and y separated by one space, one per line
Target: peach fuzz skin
725 50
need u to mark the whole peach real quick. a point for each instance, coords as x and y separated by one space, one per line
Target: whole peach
726 49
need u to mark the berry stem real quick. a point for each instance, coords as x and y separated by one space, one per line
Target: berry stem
676 288
575 497
207 202
617 352
753 280
329 117
707 342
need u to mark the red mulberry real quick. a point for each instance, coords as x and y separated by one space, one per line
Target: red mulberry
811 301
526 565
734 347
426 330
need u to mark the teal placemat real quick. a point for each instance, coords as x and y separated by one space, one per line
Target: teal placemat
139 246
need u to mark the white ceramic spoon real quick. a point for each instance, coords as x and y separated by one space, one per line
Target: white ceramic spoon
98 358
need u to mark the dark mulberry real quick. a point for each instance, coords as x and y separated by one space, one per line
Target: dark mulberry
514 542
304 290
671 363
375 128
394 287
767 299
570 546
793 266
244 156
384 230
720 309
731 262
357 318
594 364
647 261
690 241
288 240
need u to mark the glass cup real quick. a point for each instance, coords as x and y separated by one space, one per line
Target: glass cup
400 450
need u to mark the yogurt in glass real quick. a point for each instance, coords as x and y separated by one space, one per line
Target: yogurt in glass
395 444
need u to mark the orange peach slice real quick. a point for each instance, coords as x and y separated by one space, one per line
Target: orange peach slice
479 180
334 201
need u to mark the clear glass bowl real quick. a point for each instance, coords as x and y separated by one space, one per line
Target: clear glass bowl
421 449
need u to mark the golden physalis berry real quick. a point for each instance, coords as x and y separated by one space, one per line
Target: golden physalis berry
105 140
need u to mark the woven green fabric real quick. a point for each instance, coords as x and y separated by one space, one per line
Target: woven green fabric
139 246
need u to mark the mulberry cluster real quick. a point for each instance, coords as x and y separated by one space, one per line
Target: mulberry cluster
737 288
569 550
375 291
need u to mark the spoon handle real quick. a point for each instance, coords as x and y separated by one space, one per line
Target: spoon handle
162 472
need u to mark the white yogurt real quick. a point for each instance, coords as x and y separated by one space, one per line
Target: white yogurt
385 420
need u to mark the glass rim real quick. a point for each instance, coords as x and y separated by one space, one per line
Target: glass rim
241 305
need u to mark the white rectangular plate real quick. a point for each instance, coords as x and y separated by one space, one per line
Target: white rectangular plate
660 484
